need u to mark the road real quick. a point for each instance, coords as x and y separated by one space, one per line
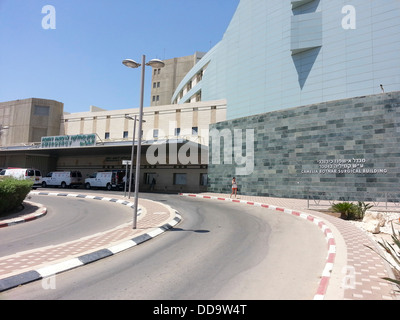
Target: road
67 219
220 251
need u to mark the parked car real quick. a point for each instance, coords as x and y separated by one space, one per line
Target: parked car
63 179
109 180
24 174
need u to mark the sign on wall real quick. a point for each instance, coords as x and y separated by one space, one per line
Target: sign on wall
344 166
69 141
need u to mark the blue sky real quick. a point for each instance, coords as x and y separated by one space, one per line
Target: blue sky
79 62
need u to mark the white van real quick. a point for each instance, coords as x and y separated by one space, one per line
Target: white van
24 174
63 179
108 180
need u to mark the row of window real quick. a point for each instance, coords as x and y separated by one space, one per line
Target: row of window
177 132
179 178
198 78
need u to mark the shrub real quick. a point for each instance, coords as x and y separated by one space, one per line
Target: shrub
363 207
393 253
12 193
347 210
350 211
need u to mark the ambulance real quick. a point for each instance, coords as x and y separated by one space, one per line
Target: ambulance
109 180
24 174
63 179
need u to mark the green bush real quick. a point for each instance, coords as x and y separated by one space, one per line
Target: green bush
350 211
347 210
12 193
363 207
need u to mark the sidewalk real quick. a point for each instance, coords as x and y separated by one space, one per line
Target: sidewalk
353 271
153 219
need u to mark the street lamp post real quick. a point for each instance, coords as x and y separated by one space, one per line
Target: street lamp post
155 63
132 152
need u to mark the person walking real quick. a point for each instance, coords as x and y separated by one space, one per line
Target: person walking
153 183
234 187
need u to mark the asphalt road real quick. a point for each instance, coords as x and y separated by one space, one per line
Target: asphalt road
67 219
220 251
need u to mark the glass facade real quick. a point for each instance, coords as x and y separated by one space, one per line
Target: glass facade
279 54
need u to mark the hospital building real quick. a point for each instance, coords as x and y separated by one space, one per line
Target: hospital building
299 98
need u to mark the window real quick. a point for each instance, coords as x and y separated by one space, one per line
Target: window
203 179
195 131
177 131
155 133
156 85
149 176
125 135
180 178
107 135
41 111
200 76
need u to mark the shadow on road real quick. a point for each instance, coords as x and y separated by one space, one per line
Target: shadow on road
197 231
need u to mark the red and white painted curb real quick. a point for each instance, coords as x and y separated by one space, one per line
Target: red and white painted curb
326 273
38 214
97 254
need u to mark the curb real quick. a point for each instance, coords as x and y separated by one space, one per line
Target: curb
38 214
85 196
62 194
53 269
326 273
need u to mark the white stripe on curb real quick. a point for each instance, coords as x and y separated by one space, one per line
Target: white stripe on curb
53 269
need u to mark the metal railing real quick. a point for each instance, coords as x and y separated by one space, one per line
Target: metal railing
385 200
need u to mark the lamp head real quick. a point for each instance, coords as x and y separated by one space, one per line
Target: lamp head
131 63
155 63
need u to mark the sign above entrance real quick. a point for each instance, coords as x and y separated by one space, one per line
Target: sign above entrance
73 141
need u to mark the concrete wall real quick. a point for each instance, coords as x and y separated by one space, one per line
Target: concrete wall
340 149
164 118
165 80
29 119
